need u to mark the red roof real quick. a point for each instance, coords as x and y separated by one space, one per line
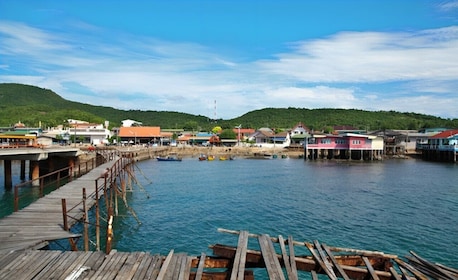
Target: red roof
140 131
445 134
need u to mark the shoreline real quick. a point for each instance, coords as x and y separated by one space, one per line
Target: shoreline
237 152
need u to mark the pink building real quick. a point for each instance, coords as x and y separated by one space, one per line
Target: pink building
343 146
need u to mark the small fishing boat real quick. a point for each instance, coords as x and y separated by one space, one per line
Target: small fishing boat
211 158
222 158
202 157
170 157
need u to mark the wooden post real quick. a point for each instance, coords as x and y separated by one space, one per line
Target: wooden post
70 174
85 222
97 216
42 183
16 198
64 213
105 193
58 179
109 230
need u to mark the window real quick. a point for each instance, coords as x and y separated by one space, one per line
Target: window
356 142
325 141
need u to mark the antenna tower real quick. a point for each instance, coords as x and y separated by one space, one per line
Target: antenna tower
214 113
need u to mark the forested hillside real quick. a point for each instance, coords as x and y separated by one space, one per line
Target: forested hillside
32 105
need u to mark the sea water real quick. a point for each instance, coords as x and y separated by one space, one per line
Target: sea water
392 206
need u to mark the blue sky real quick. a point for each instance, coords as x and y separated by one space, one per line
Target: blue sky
226 58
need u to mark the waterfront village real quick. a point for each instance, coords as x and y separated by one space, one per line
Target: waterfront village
344 142
113 153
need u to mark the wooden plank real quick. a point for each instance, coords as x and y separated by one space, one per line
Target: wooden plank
155 267
270 258
285 257
200 267
314 276
439 272
335 263
143 265
324 259
395 274
238 267
292 258
320 261
58 265
414 271
129 266
370 268
185 269
165 265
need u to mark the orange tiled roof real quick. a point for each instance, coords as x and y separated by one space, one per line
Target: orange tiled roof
140 131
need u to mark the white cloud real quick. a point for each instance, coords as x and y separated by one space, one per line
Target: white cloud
414 71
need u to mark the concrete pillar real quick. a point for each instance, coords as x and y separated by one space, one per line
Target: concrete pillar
7 172
35 172
22 176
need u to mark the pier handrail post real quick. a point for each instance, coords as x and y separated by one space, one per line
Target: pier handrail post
70 174
86 223
109 230
58 179
64 213
97 216
42 182
16 198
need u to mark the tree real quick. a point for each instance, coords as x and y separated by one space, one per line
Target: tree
217 130
228 134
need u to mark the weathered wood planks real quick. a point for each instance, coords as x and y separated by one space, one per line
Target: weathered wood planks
42 221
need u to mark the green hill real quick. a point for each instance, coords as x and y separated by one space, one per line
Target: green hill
33 105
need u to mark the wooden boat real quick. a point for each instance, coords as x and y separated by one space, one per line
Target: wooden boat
202 157
334 262
170 157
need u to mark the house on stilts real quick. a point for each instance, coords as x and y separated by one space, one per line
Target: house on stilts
343 146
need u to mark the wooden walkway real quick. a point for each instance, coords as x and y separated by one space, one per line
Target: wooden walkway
42 221
234 263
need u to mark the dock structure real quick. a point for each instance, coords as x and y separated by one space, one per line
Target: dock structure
274 256
51 217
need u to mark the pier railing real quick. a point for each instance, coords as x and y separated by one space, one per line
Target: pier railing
104 187
54 179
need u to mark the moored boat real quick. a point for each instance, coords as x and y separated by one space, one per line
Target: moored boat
170 157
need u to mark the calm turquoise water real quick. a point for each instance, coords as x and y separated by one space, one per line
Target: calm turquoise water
392 206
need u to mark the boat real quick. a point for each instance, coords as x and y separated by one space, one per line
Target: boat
211 158
170 157
222 158
202 157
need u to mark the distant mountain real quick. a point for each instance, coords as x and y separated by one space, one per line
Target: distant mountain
33 105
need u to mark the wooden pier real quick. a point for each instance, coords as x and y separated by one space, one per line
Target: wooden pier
275 256
50 218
